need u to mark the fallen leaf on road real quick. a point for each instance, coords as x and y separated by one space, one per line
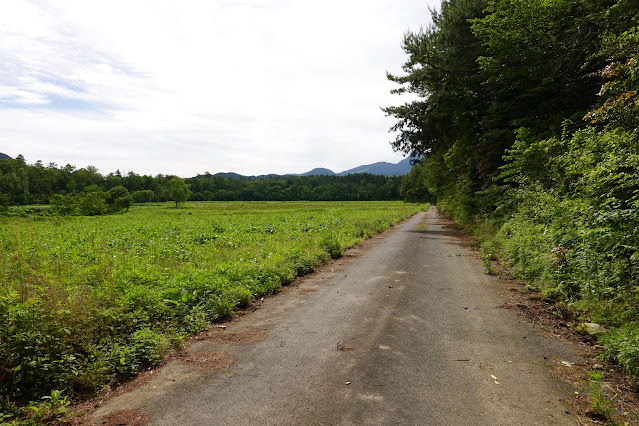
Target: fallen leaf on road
348 383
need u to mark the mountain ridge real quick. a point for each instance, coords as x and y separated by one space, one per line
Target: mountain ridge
383 168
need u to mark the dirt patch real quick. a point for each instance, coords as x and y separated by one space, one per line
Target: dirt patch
84 410
221 336
458 231
304 291
207 361
126 417
202 360
555 321
618 389
343 348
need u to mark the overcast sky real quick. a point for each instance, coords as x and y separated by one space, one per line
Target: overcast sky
184 87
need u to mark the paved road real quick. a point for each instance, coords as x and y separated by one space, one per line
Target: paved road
406 331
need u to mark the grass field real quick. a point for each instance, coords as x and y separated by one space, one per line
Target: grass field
88 300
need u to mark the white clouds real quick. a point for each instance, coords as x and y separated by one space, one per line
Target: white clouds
251 86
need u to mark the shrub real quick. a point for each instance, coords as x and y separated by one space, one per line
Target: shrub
92 202
332 246
144 196
118 199
622 346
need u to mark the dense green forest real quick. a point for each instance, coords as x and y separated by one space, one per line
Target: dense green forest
527 115
86 191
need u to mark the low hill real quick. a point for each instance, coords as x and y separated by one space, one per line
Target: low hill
382 168
318 172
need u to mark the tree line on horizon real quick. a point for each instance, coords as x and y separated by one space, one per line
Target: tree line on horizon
36 184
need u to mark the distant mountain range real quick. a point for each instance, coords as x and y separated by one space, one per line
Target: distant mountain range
381 168
5 157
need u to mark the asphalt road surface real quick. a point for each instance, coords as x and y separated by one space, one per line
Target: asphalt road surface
405 330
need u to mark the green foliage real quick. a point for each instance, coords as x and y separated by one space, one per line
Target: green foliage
180 191
414 186
92 201
538 64
598 401
486 68
143 196
143 349
442 70
5 202
622 346
354 187
53 407
331 244
89 300
118 199
620 47
14 180
570 227
443 124
487 258
63 204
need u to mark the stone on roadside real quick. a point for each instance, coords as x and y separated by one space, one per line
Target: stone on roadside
592 329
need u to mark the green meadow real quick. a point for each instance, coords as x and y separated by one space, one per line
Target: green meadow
86 301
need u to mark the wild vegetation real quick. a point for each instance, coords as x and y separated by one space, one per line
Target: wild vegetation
86 301
527 117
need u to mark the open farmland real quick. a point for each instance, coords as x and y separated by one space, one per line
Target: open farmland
88 300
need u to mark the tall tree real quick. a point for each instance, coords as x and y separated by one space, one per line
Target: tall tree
444 122
539 65
180 191
442 71
621 87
